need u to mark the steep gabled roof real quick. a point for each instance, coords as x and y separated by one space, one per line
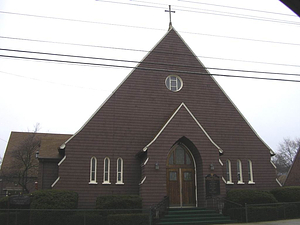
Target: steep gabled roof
143 103
182 106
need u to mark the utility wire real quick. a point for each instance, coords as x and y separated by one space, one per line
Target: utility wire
3 140
151 63
151 28
212 12
239 8
51 82
81 21
139 50
144 68
222 13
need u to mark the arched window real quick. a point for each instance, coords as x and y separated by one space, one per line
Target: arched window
180 157
106 171
93 171
119 171
239 172
250 173
228 172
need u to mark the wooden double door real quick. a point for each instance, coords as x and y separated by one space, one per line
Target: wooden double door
181 177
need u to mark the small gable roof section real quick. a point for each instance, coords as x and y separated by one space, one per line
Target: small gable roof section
48 148
50 144
136 111
293 177
184 124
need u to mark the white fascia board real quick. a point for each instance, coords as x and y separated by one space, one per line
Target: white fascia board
62 160
166 124
278 182
64 145
223 179
162 129
275 167
221 163
144 163
204 131
143 180
55 182
271 151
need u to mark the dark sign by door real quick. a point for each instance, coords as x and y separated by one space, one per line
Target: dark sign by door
19 200
212 185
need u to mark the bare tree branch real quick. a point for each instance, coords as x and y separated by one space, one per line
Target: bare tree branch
285 155
24 164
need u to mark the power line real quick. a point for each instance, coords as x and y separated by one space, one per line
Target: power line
239 8
3 140
50 82
212 12
81 21
145 68
139 50
151 63
151 28
222 13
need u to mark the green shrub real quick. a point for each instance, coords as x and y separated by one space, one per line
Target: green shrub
287 211
119 202
4 202
55 203
287 194
242 197
128 219
275 212
250 197
54 199
263 213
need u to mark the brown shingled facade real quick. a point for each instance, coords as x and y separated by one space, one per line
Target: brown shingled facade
143 122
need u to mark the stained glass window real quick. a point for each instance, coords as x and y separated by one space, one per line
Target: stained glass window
173 176
187 176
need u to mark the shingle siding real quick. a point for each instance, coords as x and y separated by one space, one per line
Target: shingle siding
138 110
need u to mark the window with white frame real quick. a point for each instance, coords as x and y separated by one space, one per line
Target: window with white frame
228 172
250 172
93 170
106 171
174 83
239 172
120 171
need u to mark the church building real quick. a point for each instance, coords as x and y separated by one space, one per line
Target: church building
167 130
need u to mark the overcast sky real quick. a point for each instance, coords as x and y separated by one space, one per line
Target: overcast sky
261 36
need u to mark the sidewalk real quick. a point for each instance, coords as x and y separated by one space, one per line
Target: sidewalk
278 222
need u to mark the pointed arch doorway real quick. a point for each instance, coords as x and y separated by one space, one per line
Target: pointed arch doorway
181 178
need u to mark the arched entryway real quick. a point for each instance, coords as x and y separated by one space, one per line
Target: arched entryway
181 177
